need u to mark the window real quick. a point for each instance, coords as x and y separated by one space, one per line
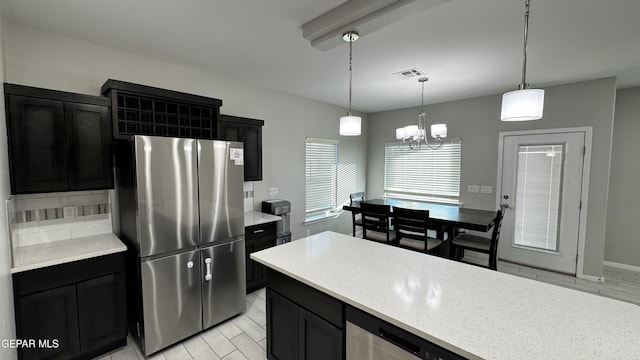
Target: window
423 174
321 176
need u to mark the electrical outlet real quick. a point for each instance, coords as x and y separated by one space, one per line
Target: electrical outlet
273 191
473 189
69 212
486 189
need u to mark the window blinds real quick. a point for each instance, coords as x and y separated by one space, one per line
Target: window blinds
320 175
424 172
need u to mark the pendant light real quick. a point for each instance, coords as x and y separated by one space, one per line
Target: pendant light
523 104
350 124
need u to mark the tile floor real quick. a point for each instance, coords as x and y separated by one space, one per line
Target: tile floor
241 338
244 337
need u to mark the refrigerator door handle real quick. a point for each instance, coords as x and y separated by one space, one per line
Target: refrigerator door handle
208 277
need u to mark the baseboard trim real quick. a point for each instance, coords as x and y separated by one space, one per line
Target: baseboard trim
598 279
621 266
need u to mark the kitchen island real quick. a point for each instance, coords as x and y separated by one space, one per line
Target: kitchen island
472 312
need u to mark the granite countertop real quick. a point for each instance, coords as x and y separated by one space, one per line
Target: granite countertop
58 252
475 312
255 217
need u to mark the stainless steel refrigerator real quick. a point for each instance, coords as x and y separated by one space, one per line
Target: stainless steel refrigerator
180 205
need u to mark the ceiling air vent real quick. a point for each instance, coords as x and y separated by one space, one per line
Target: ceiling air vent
409 74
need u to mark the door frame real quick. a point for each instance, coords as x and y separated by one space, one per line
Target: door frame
584 195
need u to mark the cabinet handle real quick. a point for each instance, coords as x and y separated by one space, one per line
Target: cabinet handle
208 277
258 231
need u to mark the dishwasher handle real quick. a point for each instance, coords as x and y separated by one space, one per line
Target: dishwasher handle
399 341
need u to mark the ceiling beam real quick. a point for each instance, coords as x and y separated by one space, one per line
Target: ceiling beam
365 16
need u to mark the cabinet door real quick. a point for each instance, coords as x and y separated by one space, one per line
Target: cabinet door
252 152
252 280
282 327
89 135
38 152
263 243
101 311
49 316
319 339
231 131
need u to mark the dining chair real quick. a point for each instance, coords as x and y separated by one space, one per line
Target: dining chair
375 222
356 218
413 230
465 241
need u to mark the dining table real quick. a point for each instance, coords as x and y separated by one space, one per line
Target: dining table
451 218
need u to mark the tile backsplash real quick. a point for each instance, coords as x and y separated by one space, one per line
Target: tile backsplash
42 218
248 196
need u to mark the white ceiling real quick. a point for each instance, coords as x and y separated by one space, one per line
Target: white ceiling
466 47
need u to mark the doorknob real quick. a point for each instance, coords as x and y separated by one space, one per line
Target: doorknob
504 206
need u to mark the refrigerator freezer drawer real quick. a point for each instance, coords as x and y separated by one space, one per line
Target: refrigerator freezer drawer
171 299
224 287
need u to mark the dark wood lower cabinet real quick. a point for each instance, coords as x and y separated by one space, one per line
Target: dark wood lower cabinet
49 316
302 323
72 311
320 339
282 325
257 237
101 328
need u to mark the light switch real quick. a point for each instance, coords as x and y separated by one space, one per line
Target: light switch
273 191
473 189
69 212
486 189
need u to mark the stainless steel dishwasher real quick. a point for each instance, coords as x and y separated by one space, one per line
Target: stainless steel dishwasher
370 338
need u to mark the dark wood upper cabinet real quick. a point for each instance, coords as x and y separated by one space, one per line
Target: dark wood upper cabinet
146 110
37 144
89 134
58 141
249 132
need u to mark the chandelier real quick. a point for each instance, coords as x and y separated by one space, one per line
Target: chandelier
415 135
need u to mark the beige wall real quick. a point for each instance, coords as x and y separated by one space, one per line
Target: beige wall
7 328
52 61
623 243
476 121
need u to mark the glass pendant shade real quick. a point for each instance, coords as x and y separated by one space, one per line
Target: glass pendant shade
522 105
439 130
350 125
411 130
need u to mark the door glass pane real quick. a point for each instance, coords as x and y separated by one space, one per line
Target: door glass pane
539 187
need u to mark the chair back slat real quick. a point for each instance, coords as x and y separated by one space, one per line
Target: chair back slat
414 224
375 217
356 197
411 223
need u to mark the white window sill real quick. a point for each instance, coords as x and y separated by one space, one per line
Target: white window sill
322 217
445 201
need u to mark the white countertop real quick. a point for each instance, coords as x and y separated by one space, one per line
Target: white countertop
58 252
255 217
475 312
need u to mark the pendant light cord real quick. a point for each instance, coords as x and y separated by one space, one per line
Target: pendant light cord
524 47
350 70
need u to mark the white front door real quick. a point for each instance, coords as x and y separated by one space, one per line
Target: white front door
541 187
